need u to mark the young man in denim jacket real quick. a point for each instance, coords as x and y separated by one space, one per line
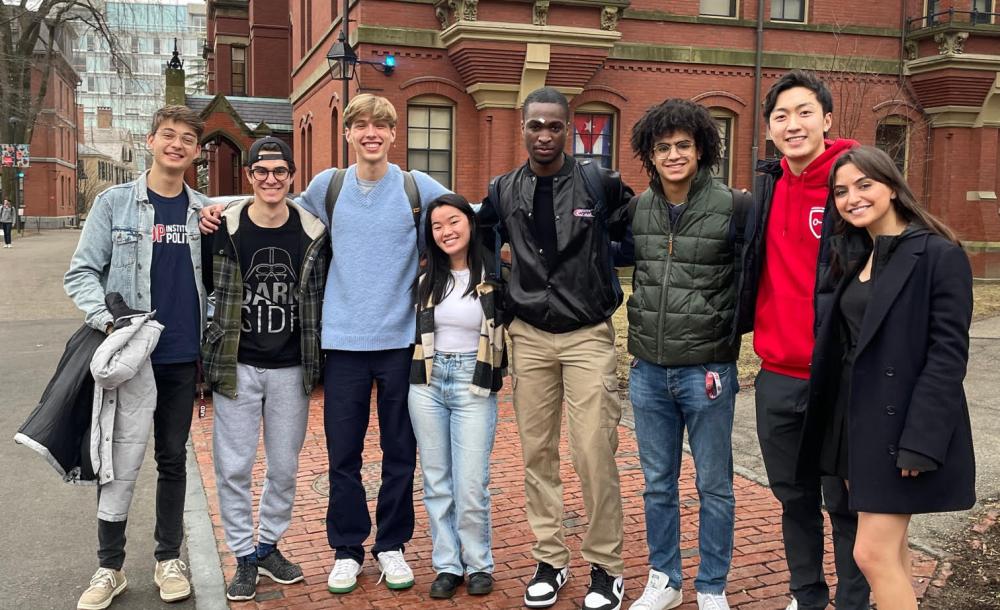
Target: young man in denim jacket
141 239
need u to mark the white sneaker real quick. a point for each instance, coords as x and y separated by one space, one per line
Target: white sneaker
658 595
344 576
794 605
709 601
396 573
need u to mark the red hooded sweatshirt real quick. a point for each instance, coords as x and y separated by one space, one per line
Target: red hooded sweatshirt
783 324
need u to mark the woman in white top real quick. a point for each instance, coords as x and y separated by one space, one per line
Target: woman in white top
458 367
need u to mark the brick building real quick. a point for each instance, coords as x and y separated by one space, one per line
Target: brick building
49 186
917 77
248 54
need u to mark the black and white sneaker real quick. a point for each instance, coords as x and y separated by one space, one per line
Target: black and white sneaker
277 568
543 588
605 592
243 586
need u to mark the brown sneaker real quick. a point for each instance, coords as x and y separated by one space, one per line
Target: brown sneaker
105 584
170 578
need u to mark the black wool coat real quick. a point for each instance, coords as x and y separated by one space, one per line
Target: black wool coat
910 362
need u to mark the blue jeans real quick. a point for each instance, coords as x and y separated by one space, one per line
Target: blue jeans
455 431
665 401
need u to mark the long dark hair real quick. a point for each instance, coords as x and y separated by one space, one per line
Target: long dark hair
879 166
438 281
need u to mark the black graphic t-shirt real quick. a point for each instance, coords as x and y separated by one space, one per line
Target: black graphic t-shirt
270 260
173 292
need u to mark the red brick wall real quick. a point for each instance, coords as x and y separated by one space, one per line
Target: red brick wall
50 183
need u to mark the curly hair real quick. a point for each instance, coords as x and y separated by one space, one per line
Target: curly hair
676 115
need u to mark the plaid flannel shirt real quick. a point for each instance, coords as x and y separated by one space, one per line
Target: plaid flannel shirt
222 336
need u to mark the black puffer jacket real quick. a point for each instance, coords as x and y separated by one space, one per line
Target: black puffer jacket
582 289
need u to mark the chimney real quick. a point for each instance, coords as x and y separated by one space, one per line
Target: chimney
103 117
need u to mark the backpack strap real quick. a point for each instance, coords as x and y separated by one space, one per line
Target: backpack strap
413 195
333 191
493 194
742 208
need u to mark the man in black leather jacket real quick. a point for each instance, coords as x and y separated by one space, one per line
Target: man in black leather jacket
560 215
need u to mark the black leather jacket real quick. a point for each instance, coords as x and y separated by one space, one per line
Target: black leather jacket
582 289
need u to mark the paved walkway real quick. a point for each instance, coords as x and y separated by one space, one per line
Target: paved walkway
758 579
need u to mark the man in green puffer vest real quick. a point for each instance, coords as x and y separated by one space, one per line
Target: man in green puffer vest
688 231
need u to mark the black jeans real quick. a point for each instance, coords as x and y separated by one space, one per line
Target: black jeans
781 403
175 384
346 410
6 227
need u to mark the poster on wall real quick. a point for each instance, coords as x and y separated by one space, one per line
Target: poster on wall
15 155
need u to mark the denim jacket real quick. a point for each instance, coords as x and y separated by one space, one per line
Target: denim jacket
115 252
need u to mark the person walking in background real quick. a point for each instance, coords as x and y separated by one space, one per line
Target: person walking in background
682 316
141 240
7 215
262 358
458 365
560 216
790 198
887 409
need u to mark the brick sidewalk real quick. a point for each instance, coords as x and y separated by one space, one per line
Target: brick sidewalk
758 579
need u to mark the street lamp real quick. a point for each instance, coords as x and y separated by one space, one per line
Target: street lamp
344 62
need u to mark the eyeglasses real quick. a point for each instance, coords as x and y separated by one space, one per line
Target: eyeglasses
260 173
663 149
186 139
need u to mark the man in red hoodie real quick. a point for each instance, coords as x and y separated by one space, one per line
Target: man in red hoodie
791 197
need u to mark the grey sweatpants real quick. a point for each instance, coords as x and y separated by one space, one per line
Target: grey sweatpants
278 397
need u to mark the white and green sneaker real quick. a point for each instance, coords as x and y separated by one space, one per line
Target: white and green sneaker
344 576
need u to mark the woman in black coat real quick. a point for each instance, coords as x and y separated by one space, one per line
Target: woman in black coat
887 409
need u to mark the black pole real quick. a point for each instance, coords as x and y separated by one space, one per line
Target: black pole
346 93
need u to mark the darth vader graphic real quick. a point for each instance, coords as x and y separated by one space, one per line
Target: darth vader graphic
270 300
272 265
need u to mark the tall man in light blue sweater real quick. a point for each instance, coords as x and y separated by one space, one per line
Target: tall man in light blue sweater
368 330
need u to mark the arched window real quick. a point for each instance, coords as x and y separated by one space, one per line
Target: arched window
430 141
726 122
595 132
893 136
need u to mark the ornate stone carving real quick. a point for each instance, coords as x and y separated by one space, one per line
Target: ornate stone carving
470 9
951 43
910 48
609 18
541 13
442 12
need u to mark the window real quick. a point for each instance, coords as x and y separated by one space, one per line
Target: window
725 124
770 150
156 46
717 8
788 10
429 141
932 6
892 136
239 71
90 43
593 137
982 11
135 44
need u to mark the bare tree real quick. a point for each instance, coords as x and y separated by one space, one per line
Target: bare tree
36 39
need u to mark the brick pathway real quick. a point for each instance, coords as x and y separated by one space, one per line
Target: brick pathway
758 579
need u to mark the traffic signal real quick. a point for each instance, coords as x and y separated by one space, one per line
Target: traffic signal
20 173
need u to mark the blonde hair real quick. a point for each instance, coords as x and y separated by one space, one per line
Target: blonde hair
376 107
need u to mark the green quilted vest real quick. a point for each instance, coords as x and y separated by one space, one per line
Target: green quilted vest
683 291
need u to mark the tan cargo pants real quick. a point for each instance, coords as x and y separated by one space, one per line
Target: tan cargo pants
580 367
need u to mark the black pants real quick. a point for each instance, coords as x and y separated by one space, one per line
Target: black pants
348 386
175 384
6 227
781 404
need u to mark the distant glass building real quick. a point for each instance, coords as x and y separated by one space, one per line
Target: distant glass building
146 32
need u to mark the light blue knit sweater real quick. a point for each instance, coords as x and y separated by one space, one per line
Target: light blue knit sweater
368 305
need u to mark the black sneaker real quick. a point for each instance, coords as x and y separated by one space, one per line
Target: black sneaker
277 568
243 586
605 592
543 588
480 583
445 585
